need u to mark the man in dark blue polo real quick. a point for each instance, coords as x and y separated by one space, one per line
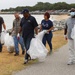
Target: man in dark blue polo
28 25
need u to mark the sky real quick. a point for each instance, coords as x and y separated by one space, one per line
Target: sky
6 4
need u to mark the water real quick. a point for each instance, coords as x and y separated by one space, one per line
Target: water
8 19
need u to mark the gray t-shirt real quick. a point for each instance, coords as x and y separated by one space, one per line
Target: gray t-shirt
70 22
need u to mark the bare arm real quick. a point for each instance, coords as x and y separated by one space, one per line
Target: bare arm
50 29
4 26
13 27
36 30
40 28
20 29
65 30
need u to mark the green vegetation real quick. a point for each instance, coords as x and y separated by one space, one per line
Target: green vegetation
43 7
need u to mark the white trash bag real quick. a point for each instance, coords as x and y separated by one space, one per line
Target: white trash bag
9 42
37 49
41 34
10 49
2 37
73 35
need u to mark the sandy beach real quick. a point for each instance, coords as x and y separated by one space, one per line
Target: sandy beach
59 17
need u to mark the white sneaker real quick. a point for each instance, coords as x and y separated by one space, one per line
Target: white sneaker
26 61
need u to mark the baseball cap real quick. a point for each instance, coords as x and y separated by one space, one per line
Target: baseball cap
25 11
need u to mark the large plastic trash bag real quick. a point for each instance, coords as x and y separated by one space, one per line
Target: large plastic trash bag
37 49
10 49
41 34
9 42
2 40
73 35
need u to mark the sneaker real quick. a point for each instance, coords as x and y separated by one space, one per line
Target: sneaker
26 61
23 52
29 58
70 63
16 54
50 52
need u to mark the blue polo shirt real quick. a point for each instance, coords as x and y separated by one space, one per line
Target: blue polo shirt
46 24
28 25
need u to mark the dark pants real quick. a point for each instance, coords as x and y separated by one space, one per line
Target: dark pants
48 38
0 47
27 45
0 44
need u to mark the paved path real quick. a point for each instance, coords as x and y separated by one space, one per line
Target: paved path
55 64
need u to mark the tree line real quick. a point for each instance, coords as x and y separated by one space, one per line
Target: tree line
44 6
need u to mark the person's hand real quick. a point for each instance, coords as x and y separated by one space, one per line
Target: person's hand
18 36
65 36
47 32
5 31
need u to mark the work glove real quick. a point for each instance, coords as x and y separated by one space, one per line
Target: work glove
5 31
46 31
18 36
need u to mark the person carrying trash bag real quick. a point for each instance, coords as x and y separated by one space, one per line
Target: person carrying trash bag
36 43
4 26
16 36
47 24
69 26
28 26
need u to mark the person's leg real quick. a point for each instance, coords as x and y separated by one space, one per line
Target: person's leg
49 40
44 40
27 45
0 44
0 47
16 45
22 44
71 51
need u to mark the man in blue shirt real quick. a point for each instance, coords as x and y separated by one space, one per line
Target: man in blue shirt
28 25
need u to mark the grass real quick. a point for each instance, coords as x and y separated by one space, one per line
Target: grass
9 63
58 40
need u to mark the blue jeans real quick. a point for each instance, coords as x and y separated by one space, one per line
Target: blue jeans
16 42
48 38
27 45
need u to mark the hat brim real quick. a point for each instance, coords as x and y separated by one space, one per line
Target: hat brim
24 12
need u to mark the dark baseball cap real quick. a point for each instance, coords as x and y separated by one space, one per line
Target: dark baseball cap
25 11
